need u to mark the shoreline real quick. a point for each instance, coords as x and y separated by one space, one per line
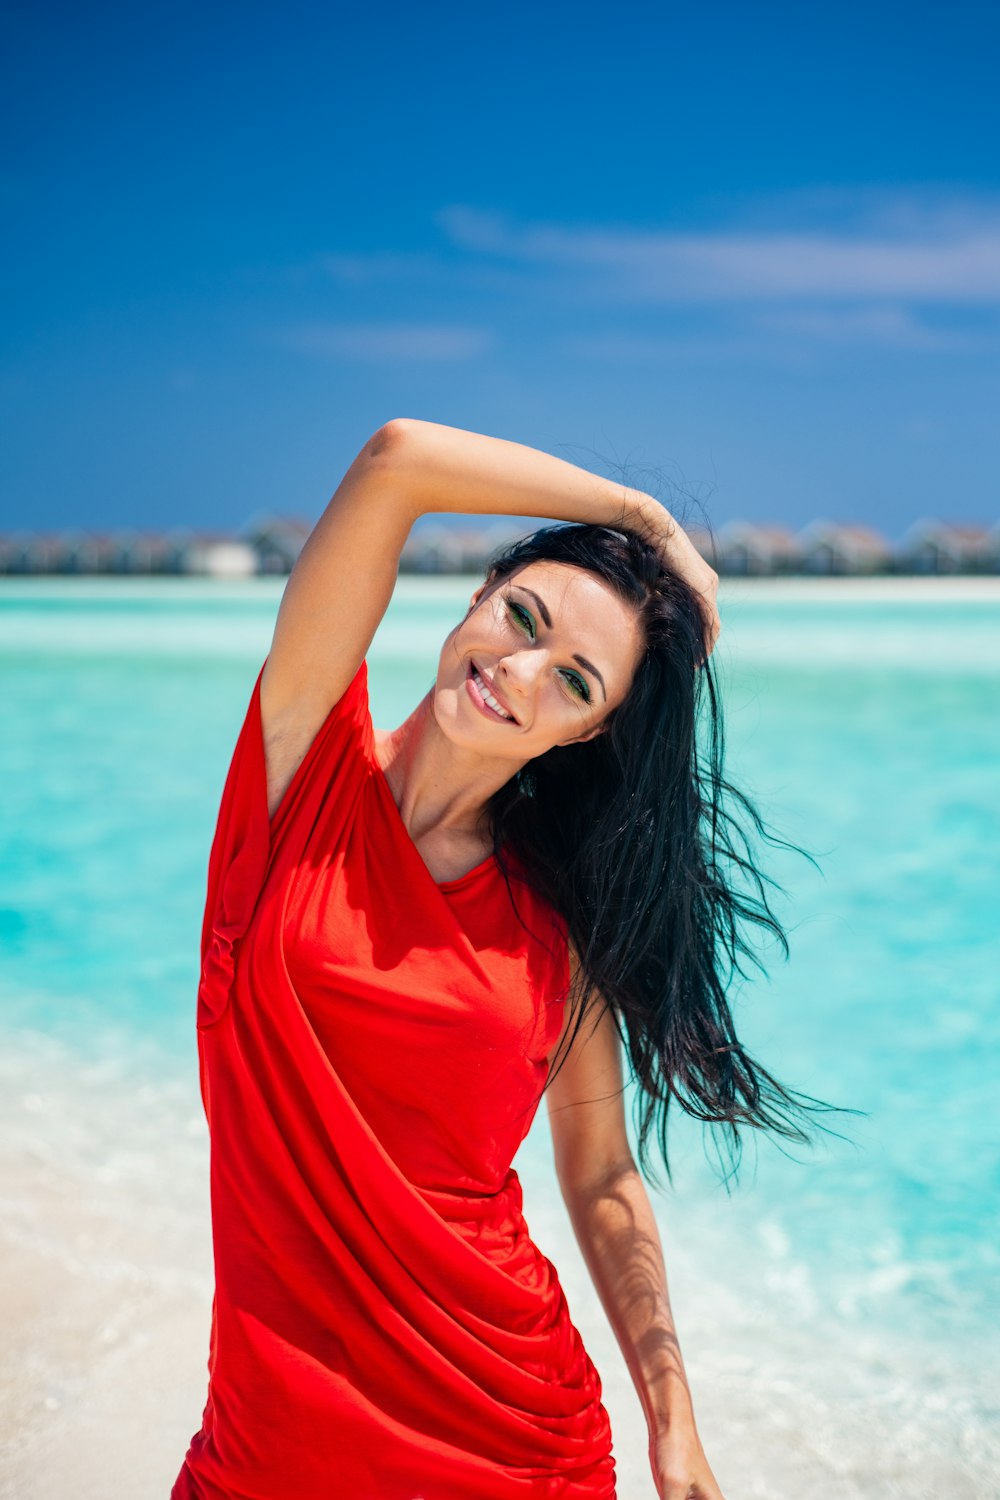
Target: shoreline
796 588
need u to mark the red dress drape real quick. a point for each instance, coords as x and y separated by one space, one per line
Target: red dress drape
372 1049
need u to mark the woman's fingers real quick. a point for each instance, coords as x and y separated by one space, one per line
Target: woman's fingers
680 1467
679 552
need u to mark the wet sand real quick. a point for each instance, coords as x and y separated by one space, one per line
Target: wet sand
105 1264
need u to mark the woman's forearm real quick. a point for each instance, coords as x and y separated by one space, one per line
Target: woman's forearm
449 469
620 1242
426 466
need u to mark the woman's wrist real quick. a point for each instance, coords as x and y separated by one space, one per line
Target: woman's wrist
678 552
667 1403
653 522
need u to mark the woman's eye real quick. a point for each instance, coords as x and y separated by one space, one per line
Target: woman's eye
522 616
579 686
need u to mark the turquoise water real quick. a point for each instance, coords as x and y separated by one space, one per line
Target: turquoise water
864 724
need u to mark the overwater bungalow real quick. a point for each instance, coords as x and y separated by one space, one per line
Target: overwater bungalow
744 548
80 552
271 545
837 547
930 546
132 551
436 547
276 540
30 552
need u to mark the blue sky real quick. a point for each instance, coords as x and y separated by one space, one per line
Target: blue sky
746 255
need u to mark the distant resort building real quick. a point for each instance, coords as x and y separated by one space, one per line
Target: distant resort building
440 548
939 547
838 547
221 557
270 544
276 541
127 552
744 548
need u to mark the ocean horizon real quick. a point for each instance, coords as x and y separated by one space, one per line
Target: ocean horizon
837 1310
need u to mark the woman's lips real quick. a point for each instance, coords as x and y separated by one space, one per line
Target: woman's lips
479 700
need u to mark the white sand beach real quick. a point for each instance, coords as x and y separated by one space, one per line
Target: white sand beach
106 1270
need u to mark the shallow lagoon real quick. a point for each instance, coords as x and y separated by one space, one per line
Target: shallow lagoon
835 1312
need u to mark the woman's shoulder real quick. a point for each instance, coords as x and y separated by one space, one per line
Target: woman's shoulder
296 747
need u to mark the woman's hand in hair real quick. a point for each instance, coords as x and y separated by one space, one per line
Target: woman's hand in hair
678 552
680 1467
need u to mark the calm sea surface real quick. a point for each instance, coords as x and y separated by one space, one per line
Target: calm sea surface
865 722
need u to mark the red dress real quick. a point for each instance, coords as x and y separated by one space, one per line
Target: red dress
372 1049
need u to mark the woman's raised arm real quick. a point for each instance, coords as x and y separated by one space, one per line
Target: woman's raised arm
339 588
343 580
341 584
448 468
332 605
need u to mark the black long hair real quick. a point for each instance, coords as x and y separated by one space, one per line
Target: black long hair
634 837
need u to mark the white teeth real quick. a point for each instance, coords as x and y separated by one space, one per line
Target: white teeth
488 696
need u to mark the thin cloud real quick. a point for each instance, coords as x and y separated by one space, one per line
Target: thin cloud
389 342
893 326
678 348
955 260
359 269
825 267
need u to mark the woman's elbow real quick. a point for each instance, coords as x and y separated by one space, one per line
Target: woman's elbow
392 436
596 1178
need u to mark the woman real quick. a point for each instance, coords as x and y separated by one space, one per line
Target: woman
403 932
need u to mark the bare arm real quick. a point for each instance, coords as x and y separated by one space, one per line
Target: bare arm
332 605
449 469
343 580
615 1227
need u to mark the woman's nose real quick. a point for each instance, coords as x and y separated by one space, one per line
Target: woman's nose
521 671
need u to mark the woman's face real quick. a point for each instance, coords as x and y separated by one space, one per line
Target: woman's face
541 658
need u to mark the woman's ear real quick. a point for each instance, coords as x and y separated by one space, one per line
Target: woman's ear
476 598
588 734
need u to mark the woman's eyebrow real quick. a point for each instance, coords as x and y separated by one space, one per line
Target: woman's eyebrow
543 611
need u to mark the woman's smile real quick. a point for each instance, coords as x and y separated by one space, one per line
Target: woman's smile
484 698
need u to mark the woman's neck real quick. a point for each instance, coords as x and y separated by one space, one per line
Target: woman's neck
441 789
